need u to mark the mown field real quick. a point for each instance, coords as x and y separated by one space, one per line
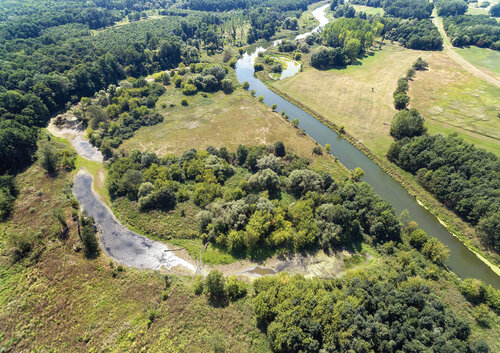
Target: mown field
485 59
358 97
369 10
452 100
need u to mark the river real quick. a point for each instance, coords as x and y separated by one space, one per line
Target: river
462 261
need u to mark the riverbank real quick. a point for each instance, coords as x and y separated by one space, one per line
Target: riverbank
424 198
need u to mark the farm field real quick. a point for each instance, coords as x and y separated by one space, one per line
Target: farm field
345 96
223 120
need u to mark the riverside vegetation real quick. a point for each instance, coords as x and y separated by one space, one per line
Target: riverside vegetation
60 292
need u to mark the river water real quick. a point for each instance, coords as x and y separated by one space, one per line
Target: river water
462 261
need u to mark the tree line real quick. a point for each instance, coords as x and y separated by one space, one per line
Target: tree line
463 177
413 34
28 19
480 30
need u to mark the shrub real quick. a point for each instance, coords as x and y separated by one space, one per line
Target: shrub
215 286
407 124
227 86
88 235
184 102
245 85
198 285
317 150
189 89
236 289
258 67
420 64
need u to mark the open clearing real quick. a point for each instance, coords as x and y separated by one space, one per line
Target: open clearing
451 99
369 10
223 120
345 96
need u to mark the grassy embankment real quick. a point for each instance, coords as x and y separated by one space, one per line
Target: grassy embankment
484 59
344 97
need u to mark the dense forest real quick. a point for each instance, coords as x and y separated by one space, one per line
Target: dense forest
413 34
227 5
257 198
364 312
30 21
346 39
464 178
481 31
451 7
418 9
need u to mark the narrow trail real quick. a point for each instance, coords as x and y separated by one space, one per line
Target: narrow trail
448 49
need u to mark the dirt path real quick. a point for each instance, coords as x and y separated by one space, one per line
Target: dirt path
448 49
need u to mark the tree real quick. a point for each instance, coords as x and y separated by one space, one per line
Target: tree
88 236
418 238
435 251
401 101
48 158
489 231
215 286
236 289
495 10
407 124
279 149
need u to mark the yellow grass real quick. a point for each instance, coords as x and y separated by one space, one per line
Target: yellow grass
222 120
345 96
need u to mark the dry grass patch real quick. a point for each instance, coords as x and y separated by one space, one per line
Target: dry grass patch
223 120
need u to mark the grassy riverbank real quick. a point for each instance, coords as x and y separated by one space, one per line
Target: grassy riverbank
452 222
